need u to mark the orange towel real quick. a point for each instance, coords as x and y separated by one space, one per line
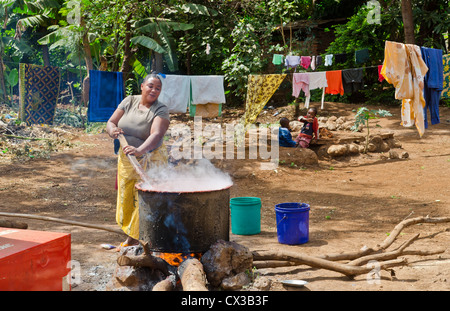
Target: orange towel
334 80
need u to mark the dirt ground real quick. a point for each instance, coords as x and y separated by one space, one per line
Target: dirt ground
355 202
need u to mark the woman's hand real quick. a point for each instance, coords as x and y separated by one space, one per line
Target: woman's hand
116 132
130 150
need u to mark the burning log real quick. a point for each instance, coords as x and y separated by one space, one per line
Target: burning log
192 275
146 259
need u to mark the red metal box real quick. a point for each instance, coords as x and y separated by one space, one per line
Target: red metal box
34 260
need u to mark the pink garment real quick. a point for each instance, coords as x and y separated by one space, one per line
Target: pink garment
380 76
300 81
305 61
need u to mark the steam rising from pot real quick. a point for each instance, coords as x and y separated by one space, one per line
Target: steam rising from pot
200 176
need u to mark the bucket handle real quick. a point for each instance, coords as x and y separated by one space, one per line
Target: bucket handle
284 217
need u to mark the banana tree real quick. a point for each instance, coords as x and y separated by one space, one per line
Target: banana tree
39 15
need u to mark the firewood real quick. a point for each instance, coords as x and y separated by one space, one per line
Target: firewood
144 260
192 275
168 284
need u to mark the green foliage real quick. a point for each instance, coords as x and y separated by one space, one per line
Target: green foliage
247 56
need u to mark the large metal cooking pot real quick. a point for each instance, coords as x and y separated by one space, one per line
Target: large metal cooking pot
183 222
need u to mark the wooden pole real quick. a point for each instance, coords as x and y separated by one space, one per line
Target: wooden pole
63 221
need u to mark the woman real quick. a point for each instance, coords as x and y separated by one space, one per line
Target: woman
143 121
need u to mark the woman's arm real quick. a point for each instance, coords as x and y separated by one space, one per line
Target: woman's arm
111 126
157 132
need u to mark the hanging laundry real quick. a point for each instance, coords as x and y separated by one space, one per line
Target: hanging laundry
39 91
334 80
300 82
106 92
329 60
319 60
206 110
362 56
260 89
207 89
292 61
352 80
404 68
305 61
313 63
317 80
380 76
175 93
434 80
340 58
277 59
446 71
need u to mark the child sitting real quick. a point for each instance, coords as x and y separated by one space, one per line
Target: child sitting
310 128
284 134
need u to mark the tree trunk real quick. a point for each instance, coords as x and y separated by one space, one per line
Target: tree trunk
45 55
157 63
89 66
2 79
128 53
408 21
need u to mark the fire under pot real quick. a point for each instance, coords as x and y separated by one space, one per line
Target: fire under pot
183 222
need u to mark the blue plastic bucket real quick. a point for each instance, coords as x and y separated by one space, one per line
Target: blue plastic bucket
292 223
245 215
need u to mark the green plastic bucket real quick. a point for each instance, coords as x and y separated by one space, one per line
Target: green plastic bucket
245 215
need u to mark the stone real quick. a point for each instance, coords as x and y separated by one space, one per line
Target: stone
331 125
337 150
262 283
296 126
353 148
384 147
372 147
297 156
236 282
225 259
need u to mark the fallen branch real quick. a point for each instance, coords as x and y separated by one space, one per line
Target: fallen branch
315 262
63 221
406 223
265 259
387 242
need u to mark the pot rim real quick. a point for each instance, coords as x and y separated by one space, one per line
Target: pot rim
138 186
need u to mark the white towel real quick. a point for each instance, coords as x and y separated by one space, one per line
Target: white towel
328 60
175 93
317 80
207 90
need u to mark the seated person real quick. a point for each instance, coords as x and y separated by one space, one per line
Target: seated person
284 134
309 130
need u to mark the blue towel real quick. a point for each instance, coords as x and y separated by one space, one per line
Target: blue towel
433 83
106 92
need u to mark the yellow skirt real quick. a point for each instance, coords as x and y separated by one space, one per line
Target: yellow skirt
127 212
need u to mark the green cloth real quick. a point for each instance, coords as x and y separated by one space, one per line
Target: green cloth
362 56
277 59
